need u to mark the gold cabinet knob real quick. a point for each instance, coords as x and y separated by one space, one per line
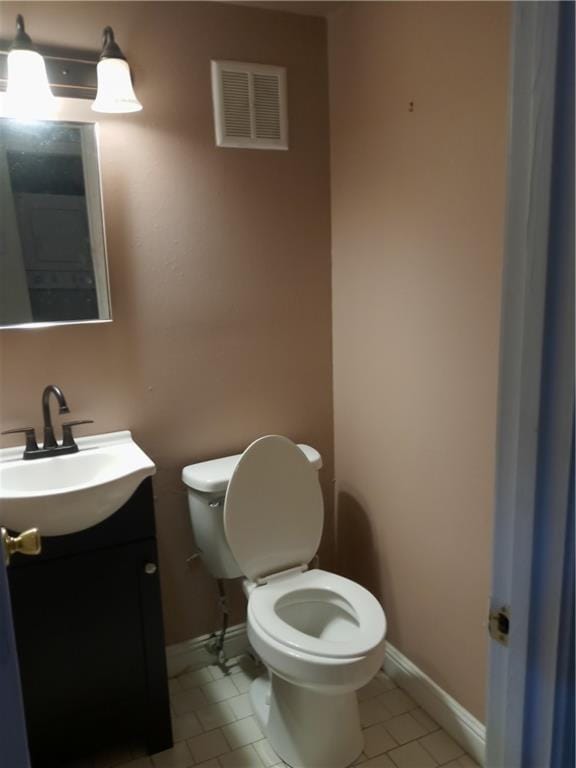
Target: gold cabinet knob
27 543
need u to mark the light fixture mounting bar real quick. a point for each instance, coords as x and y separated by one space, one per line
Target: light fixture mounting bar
71 72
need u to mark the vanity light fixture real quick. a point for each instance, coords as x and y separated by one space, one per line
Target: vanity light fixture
28 93
115 89
33 76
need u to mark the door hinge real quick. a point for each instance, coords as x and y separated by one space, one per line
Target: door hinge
499 625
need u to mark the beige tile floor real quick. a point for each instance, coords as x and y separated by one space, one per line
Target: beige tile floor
214 727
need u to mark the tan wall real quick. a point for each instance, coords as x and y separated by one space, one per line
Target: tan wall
417 228
219 259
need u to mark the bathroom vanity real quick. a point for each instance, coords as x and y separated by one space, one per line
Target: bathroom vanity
88 622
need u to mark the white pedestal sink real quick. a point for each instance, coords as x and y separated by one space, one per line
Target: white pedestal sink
66 494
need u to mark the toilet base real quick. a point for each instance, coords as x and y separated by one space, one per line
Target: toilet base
307 728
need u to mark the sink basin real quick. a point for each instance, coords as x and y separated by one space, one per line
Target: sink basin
66 494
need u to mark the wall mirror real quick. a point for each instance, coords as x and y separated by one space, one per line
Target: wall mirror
53 265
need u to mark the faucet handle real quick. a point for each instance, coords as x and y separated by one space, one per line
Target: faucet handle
31 444
67 437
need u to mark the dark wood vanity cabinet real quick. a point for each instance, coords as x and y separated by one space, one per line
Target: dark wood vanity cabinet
88 623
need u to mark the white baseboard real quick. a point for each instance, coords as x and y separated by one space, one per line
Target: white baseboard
192 654
464 728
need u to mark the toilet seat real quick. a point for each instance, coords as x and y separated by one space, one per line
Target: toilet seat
273 519
273 510
364 632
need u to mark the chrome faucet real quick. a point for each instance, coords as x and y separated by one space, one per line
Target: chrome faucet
51 446
52 389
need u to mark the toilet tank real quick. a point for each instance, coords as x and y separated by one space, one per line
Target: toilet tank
206 485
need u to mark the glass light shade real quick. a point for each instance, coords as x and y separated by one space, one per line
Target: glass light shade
28 93
115 90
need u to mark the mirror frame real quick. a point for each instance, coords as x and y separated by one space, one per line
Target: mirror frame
77 111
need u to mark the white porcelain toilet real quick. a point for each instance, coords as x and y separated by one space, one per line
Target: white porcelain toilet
321 636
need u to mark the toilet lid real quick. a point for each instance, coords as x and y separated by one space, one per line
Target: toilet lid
273 512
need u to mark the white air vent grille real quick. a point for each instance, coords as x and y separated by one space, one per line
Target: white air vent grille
249 105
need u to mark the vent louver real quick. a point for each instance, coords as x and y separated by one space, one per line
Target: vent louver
249 105
236 100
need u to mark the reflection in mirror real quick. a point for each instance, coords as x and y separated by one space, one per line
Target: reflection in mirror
52 248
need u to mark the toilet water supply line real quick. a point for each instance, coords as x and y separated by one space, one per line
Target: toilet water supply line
223 603
215 644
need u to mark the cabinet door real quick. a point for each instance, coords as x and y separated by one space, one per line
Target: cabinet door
80 632
158 723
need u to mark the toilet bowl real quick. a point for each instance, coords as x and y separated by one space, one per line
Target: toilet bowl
321 636
318 630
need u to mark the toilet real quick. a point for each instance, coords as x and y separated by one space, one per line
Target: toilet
321 636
